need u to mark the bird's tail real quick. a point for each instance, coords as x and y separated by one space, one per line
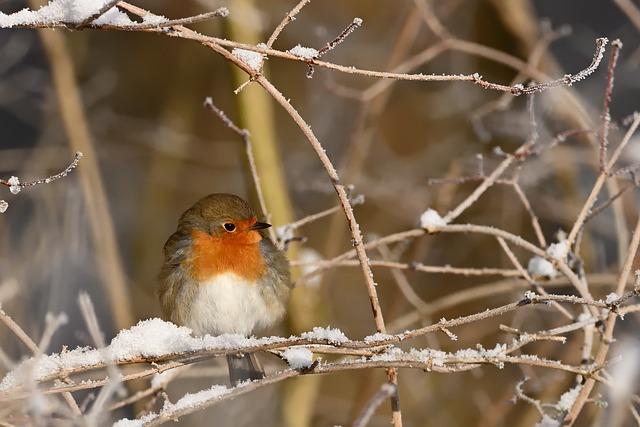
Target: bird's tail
244 367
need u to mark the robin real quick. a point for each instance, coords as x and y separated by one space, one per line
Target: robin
222 274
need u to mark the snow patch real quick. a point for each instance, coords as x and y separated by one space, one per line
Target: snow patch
332 335
558 250
431 220
298 357
65 11
539 267
253 59
303 52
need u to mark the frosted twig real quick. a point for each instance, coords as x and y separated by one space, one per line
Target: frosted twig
514 260
473 78
15 186
290 16
93 326
31 345
320 266
246 138
616 45
610 322
221 12
403 284
534 218
354 25
597 186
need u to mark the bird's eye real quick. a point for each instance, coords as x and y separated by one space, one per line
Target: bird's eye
229 227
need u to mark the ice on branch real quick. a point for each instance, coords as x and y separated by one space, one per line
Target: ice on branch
430 220
304 52
298 357
541 268
332 335
65 11
253 59
558 250
3 206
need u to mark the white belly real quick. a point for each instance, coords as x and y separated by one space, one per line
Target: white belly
229 304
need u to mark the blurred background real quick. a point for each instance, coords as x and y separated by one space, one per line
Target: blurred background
152 149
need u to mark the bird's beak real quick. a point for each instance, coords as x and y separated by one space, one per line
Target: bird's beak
259 226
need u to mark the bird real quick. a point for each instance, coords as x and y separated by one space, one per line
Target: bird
223 275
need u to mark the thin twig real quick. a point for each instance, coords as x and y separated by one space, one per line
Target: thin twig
290 16
246 138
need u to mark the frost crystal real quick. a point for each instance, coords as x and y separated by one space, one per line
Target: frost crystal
298 357
150 18
253 59
611 298
530 295
378 336
304 52
430 220
540 267
14 185
3 206
559 250
567 399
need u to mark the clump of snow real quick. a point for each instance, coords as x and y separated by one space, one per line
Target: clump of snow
378 336
431 220
303 52
253 59
64 11
611 298
558 250
530 295
14 185
332 335
3 206
568 398
541 268
298 357
357 21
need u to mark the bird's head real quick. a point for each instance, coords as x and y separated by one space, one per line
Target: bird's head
224 217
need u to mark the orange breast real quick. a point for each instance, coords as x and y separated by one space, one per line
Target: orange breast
238 253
